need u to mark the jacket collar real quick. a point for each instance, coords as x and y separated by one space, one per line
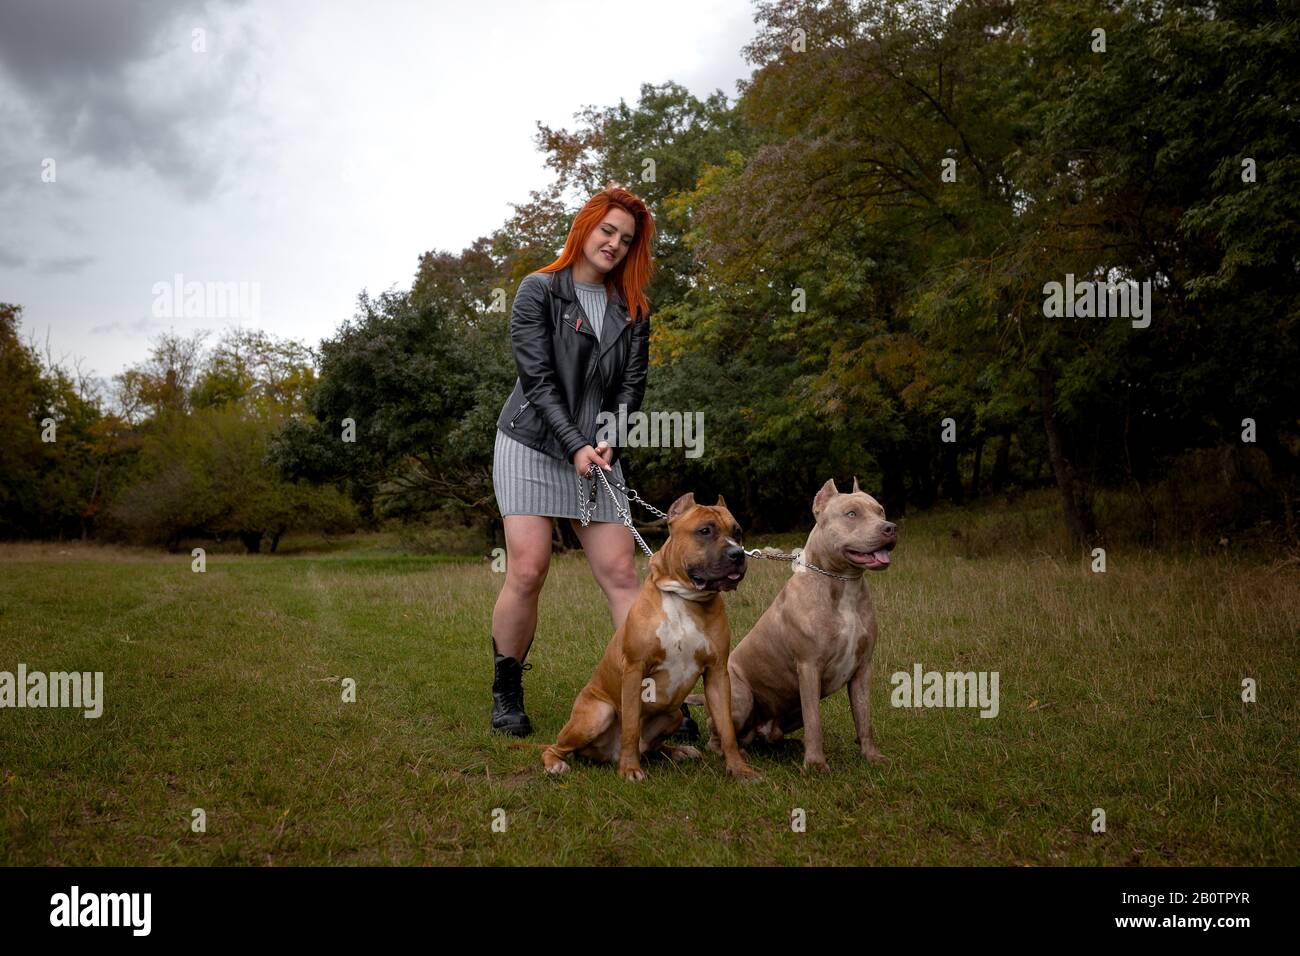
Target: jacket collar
562 286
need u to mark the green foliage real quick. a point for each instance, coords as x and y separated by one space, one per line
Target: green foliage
60 454
251 368
924 293
205 473
186 455
422 378
22 398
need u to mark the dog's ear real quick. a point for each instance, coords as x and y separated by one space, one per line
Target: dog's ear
721 502
828 492
681 505
856 489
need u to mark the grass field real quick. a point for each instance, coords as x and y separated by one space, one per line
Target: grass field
1119 691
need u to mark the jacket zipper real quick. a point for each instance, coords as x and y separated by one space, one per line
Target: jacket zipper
520 412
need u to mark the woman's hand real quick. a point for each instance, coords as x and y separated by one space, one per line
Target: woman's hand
586 456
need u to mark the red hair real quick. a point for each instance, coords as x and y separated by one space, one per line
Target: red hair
633 272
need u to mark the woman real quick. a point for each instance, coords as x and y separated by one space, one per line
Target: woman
580 332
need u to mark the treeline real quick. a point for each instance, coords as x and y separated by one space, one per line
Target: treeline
854 270
177 450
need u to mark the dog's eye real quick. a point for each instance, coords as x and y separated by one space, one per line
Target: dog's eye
850 514
704 531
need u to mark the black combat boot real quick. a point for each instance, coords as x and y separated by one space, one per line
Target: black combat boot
688 731
508 715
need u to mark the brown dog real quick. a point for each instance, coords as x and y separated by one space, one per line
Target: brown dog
818 634
676 629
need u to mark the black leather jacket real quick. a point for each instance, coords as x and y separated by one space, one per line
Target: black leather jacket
556 360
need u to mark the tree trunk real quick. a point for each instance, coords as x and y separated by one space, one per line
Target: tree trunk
252 541
1001 462
922 477
975 469
1148 535
893 491
1286 473
1075 500
952 486
751 509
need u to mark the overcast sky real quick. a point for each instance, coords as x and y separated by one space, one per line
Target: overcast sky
311 150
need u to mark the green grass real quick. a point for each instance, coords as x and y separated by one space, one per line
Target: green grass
222 691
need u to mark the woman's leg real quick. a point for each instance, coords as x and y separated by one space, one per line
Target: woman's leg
611 554
514 619
528 558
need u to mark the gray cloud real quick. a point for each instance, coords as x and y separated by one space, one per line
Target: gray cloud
138 326
63 265
69 224
117 82
9 260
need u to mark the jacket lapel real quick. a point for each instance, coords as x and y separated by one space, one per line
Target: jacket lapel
562 284
615 320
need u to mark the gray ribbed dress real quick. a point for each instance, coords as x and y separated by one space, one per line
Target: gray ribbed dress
530 482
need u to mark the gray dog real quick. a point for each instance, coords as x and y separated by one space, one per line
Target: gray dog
819 633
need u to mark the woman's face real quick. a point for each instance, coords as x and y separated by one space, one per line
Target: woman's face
609 242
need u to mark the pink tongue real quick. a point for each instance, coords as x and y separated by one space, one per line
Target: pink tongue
882 556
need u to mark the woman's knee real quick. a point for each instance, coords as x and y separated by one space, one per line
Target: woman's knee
528 553
622 576
526 577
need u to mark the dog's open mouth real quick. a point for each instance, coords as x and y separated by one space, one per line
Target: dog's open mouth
726 582
871 560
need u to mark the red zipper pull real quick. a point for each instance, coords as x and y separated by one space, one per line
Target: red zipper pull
578 327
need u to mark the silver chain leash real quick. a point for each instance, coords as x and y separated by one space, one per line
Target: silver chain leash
796 556
587 507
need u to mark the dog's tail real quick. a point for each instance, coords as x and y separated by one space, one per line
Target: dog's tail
695 700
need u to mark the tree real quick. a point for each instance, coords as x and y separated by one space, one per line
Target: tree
206 474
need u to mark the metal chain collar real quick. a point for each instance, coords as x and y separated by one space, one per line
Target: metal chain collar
588 506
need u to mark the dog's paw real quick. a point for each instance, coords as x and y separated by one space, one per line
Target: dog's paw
555 766
744 772
817 764
874 756
631 773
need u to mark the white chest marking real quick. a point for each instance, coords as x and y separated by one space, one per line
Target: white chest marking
681 640
841 657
